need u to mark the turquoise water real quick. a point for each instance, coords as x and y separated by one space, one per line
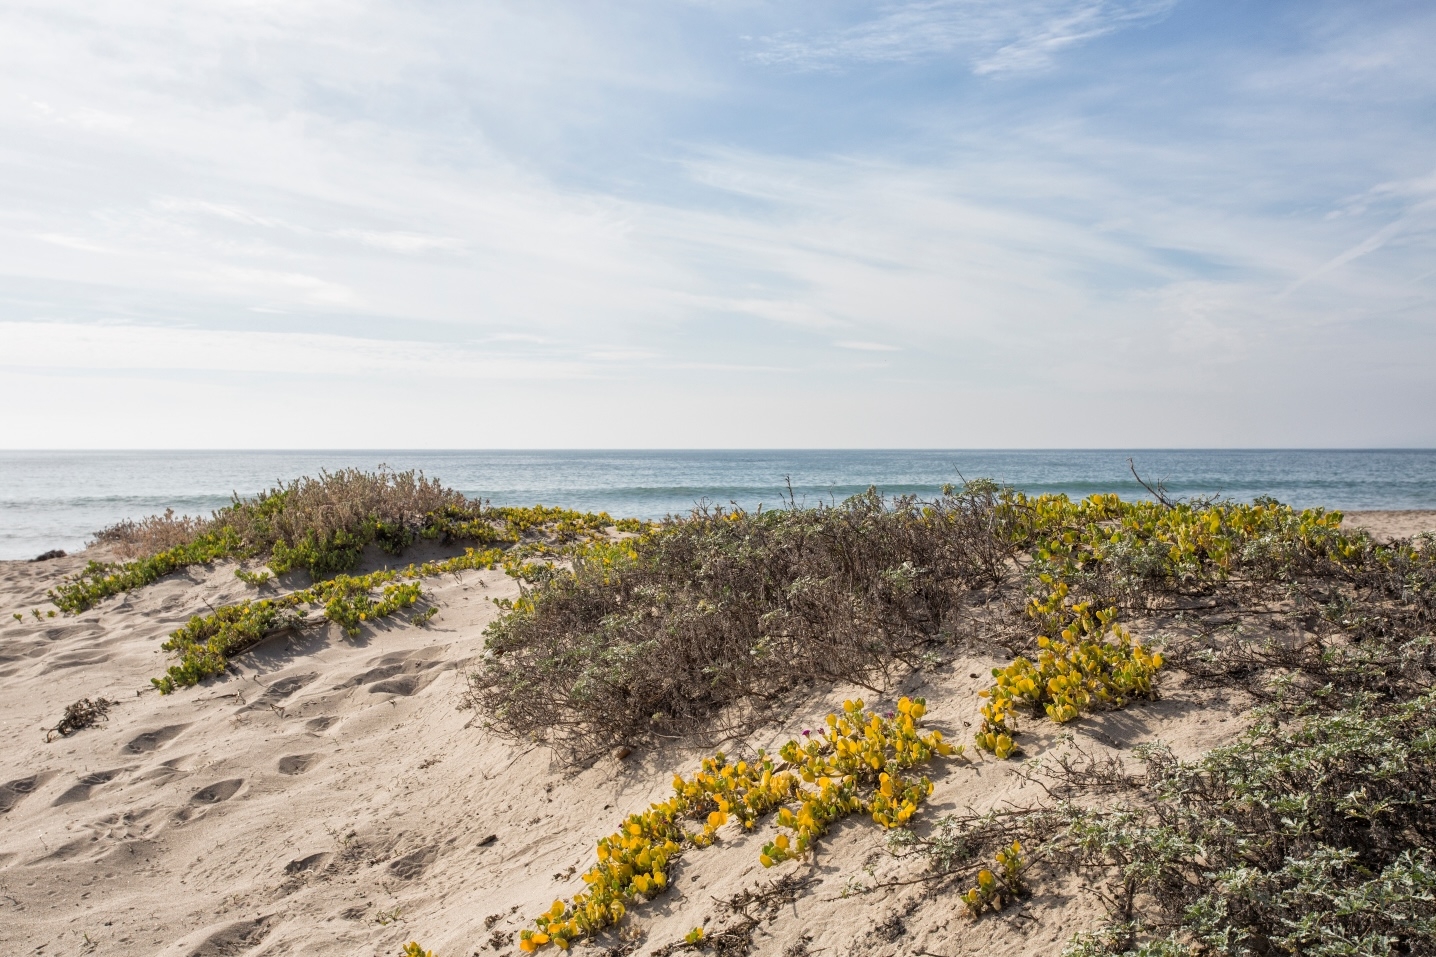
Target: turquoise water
57 499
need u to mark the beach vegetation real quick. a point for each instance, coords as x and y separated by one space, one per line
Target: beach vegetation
85 713
1092 662
205 643
1311 834
861 763
994 890
321 526
258 579
728 612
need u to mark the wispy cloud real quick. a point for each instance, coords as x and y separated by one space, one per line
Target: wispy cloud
1415 200
862 346
424 198
114 347
993 36
397 241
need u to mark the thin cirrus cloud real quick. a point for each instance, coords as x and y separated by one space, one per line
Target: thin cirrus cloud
58 347
860 345
992 35
393 241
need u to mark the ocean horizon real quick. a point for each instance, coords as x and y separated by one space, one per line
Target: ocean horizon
58 499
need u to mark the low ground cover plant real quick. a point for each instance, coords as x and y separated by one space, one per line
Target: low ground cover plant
1091 662
860 764
207 642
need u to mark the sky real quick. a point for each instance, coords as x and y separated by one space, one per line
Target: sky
717 223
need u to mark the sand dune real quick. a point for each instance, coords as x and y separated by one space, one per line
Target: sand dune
337 796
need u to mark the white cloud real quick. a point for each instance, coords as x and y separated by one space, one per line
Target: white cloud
993 36
400 242
72 348
862 346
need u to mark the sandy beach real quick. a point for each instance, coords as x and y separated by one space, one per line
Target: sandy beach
339 796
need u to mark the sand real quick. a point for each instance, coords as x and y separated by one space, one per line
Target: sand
1393 524
338 796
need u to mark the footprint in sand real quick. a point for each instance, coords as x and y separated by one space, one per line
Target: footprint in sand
72 849
78 659
13 792
217 792
311 863
297 763
389 666
154 740
373 674
237 938
403 685
321 723
163 773
280 690
413 864
81 791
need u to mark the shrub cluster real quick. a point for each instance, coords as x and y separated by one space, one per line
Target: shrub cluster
661 633
320 525
1309 838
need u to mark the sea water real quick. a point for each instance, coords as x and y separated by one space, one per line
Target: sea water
58 499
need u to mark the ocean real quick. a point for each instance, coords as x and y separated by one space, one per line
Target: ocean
58 499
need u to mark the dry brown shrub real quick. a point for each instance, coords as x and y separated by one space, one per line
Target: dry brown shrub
325 506
133 539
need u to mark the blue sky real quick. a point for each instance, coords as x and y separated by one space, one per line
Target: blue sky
717 223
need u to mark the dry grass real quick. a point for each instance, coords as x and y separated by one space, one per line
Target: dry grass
329 506
157 533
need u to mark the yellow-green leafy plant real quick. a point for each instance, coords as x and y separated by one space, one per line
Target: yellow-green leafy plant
856 765
257 579
206 642
1092 662
412 949
1174 544
996 889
